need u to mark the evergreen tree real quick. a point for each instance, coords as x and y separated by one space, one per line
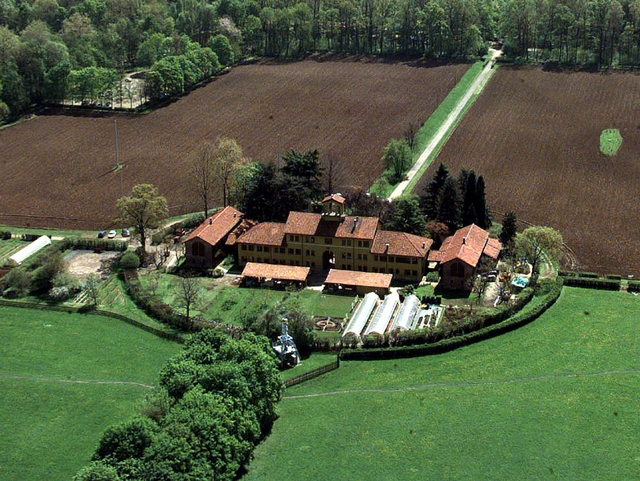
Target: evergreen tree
469 215
433 193
449 212
508 233
483 215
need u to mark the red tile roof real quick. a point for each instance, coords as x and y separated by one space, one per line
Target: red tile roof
265 233
350 227
240 229
356 278
335 197
274 271
302 223
468 245
216 227
400 244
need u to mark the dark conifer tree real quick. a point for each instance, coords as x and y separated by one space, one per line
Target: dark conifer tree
450 205
509 230
469 215
433 193
483 215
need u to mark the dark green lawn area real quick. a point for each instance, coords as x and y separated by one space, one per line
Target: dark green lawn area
556 399
64 378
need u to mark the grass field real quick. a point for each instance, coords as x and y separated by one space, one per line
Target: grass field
556 399
610 141
64 378
229 303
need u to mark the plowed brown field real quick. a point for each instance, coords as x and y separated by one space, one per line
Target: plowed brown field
56 170
534 135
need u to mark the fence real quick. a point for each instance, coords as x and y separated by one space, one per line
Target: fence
312 374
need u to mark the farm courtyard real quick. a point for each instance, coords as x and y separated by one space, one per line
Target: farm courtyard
58 170
535 137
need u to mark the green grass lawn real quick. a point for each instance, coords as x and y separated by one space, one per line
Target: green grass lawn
610 141
230 303
556 399
316 360
64 378
10 247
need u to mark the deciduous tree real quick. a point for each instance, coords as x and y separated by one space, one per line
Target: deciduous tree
537 242
144 209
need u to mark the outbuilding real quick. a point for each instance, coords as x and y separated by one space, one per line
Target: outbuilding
358 282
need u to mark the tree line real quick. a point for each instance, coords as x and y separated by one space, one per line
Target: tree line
216 400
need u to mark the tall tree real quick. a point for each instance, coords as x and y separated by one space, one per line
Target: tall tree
203 175
189 293
483 215
449 212
432 198
397 157
144 209
508 232
408 217
227 160
537 242
307 168
468 189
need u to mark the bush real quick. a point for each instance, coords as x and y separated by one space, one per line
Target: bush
634 286
605 284
5 235
129 261
93 244
17 283
60 293
432 276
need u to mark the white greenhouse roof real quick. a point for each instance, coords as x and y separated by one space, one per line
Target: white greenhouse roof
20 256
362 314
407 314
383 315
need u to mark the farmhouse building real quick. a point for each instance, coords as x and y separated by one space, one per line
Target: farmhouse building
333 240
463 254
210 241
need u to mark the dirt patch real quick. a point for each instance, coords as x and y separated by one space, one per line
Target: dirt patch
83 263
535 137
346 107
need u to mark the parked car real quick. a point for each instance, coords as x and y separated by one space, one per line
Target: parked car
125 233
101 234
112 234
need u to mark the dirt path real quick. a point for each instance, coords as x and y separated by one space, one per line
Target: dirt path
445 128
72 381
437 385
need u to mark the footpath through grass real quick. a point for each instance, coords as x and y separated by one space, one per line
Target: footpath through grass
64 378
554 399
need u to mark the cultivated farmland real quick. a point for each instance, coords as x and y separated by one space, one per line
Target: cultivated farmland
535 136
57 170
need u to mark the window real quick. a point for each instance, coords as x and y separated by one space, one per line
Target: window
306 253
375 269
250 247
282 250
266 248
407 272
313 253
414 261
197 249
359 257
365 243
328 240
359 243
364 257
290 250
344 242
403 260
349 255
259 248
297 238
298 252
309 239
375 258
243 247
383 258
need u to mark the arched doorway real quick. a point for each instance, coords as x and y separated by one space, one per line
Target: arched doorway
328 260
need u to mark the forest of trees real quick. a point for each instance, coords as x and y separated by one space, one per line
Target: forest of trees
183 41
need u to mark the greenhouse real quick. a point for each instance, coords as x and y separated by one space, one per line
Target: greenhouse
362 314
405 319
19 257
383 315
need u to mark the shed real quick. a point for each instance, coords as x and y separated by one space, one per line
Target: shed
273 274
361 282
20 256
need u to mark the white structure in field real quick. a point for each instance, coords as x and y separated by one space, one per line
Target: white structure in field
383 315
405 319
362 314
20 256
285 347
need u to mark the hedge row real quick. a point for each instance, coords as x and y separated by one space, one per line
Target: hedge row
602 283
166 314
590 275
91 244
445 345
634 286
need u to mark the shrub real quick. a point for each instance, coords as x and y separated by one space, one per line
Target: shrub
605 284
60 293
432 276
634 286
17 282
5 235
129 261
91 244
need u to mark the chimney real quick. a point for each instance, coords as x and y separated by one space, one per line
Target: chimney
355 224
464 240
210 220
424 245
386 247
